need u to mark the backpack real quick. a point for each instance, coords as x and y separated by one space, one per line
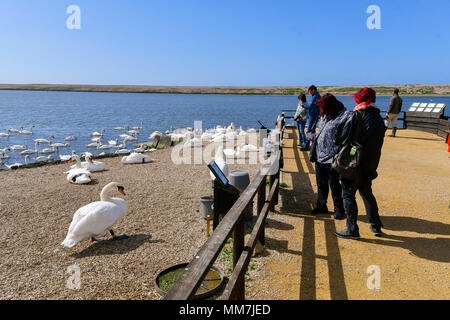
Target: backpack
347 162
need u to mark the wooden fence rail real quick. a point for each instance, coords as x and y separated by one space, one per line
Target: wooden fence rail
232 224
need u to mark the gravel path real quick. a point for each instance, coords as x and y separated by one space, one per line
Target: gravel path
163 221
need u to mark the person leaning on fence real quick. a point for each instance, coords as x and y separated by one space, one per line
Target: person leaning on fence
323 150
313 115
370 136
301 116
395 107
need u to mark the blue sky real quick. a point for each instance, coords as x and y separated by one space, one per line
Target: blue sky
246 42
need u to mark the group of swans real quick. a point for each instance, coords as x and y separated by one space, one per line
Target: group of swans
196 137
19 131
80 172
96 218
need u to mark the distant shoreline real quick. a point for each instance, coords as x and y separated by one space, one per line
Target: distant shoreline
382 90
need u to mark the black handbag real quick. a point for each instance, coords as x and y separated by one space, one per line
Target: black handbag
347 162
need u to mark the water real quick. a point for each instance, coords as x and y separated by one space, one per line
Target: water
63 114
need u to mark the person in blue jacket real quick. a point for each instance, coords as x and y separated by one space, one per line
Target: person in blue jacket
313 114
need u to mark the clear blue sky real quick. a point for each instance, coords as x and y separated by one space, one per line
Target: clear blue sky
208 42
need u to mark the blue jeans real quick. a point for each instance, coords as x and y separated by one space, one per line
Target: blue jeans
301 132
312 121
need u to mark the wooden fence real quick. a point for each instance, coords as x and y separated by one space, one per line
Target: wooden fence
233 225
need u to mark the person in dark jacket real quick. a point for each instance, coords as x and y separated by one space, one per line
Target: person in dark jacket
370 137
332 113
313 114
395 107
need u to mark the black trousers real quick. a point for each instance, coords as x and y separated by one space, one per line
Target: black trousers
349 189
328 179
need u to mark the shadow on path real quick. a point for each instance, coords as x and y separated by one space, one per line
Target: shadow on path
301 200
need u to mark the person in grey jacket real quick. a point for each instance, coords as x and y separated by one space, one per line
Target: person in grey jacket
395 107
324 148
301 116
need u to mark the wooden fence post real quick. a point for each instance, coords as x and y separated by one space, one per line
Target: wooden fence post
260 205
238 248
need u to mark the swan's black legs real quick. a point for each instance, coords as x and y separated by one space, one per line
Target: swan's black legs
115 237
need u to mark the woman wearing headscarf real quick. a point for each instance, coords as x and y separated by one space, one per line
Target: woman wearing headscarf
370 136
324 148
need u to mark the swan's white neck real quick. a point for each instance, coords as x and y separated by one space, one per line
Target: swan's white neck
77 162
106 190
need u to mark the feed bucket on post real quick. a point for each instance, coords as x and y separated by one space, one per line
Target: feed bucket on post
207 206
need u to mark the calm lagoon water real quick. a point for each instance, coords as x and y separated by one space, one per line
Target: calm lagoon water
63 114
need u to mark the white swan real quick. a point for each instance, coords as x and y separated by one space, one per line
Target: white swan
44 141
249 148
44 158
101 146
123 151
18 147
47 151
13 131
5 134
59 145
194 143
78 175
97 217
4 154
26 132
67 157
139 127
137 158
98 134
93 166
113 142
121 128
221 162
70 138
18 165
92 145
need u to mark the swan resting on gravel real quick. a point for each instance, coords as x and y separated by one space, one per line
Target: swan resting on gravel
137 158
97 217
78 175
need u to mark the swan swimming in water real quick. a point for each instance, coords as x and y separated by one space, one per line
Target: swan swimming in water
18 147
98 134
97 217
18 165
71 138
44 158
5 135
26 132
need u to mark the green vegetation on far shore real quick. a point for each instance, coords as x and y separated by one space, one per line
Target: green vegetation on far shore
405 90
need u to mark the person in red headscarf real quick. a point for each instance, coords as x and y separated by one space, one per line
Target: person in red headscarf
323 150
371 137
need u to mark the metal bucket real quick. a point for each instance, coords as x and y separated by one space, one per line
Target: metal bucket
241 180
207 206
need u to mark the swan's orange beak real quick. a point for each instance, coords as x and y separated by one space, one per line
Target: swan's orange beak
121 190
70 161
91 161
